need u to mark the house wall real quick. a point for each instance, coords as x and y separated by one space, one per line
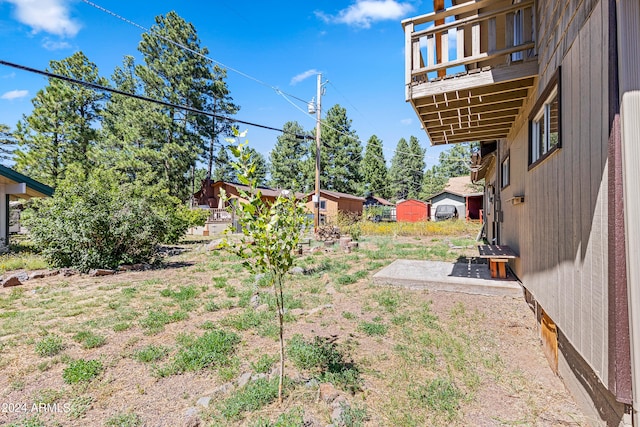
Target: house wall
333 205
561 230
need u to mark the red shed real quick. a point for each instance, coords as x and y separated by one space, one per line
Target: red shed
412 210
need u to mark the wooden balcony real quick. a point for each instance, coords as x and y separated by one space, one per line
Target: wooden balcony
470 67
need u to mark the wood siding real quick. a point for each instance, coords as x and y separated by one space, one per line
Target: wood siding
561 229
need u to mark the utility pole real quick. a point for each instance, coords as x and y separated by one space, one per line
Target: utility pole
316 217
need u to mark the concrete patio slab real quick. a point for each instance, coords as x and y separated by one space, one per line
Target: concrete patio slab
462 276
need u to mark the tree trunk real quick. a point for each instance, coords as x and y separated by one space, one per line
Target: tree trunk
280 304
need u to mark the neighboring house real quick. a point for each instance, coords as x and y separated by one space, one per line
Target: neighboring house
551 89
412 210
209 197
461 193
372 200
14 186
332 202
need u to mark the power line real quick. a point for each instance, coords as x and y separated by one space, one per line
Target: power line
139 97
188 49
285 95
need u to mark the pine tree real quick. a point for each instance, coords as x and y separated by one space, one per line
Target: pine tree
340 154
224 170
7 143
399 171
128 146
288 157
217 100
415 168
61 131
374 169
258 161
179 77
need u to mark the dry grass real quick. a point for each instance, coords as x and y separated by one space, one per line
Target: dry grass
418 358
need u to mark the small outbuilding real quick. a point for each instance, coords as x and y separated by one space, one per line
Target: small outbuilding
332 202
14 186
464 195
412 210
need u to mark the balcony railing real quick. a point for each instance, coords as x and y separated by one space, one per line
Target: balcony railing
219 215
470 35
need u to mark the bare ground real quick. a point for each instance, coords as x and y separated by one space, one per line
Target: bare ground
486 348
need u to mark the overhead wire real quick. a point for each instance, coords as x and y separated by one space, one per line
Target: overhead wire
278 91
96 86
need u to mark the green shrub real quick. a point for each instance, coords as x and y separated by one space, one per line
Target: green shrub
214 348
150 353
89 340
293 418
49 346
325 361
81 370
440 395
373 328
102 221
124 420
251 397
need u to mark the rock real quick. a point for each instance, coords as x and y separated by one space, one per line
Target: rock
347 250
191 418
316 249
66 272
101 272
36 275
340 401
329 243
297 270
256 377
255 301
312 383
297 312
223 389
215 245
353 245
319 309
10 281
327 392
344 241
244 379
336 415
204 401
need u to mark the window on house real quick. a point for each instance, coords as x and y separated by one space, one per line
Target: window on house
544 123
506 170
323 205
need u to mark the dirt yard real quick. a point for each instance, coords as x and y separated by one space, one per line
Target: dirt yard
196 343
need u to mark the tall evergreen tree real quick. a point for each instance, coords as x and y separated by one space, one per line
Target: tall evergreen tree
7 143
179 77
340 154
415 167
399 171
128 145
217 99
257 159
451 163
374 168
224 170
62 128
288 157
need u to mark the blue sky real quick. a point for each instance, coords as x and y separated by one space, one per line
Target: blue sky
269 48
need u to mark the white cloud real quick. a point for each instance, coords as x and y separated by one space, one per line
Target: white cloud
364 12
49 44
51 16
302 76
8 76
406 122
14 94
